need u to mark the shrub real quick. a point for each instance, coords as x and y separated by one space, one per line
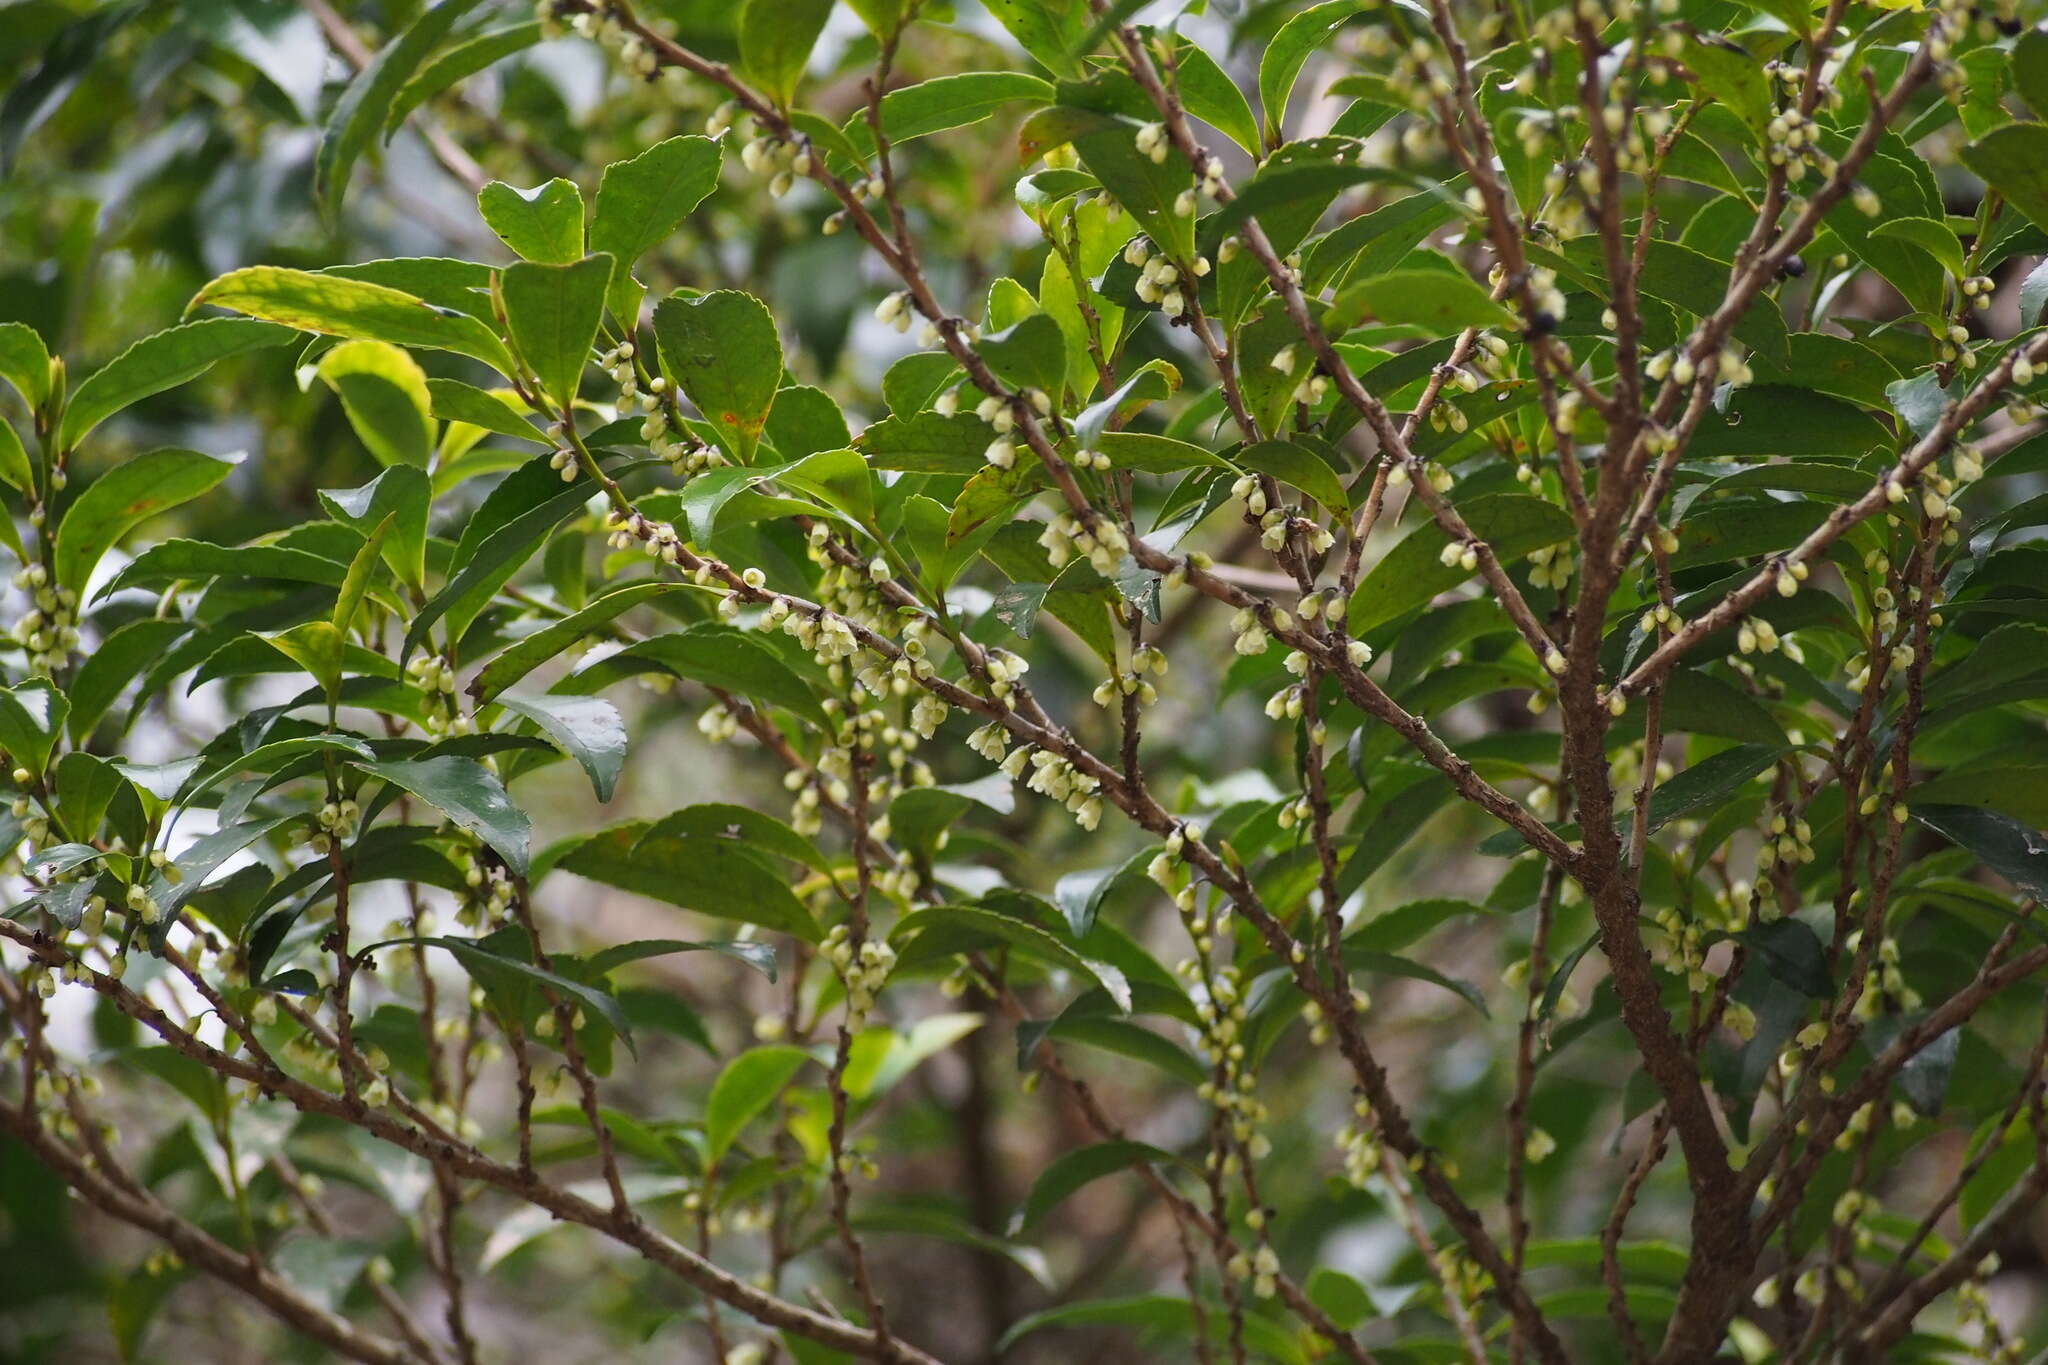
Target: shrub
1431 641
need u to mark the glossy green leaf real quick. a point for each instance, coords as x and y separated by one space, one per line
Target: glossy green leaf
722 351
384 391
356 582
1441 301
553 639
776 37
1281 63
708 873
944 102
25 362
587 729
1071 1171
720 656
553 312
1049 30
469 794
748 1084
32 715
2014 161
124 497
399 496
159 362
643 199
1932 236
483 963
334 305
542 224
1299 466
364 105
1032 354
928 443
454 401
2014 851
457 64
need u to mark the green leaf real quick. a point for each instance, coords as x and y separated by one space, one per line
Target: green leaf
1359 957
1047 29
1299 466
1791 952
722 351
483 963
17 473
919 815
1341 1297
1295 186
921 1220
384 391
2034 296
551 640
1143 453
731 659
1442 301
1413 571
941 923
1297 40
1702 704
542 224
25 362
364 105
776 37
2018 789
640 201
927 443
1707 784
2014 851
2030 70
469 794
1730 74
107 670
933 106
454 401
1936 238
913 382
318 648
1071 1171
553 312
334 305
500 549
748 1084
587 729
400 496
759 834
31 717
759 956
1032 354
1208 92
125 496
2014 161
357 581
159 362
839 478
1405 925
805 421
710 874
458 63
